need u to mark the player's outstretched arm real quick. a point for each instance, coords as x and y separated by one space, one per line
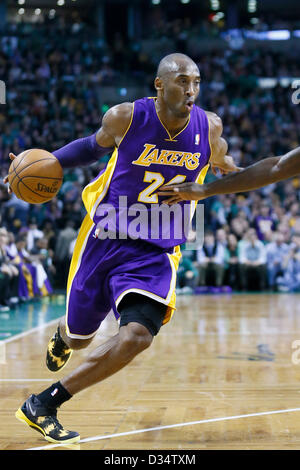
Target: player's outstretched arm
266 171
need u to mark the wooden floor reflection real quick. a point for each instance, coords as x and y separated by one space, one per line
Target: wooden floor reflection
220 356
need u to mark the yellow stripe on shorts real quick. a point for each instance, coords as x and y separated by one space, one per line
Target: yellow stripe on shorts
81 241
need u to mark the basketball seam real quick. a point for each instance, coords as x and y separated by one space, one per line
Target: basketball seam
15 167
36 161
37 194
46 177
20 194
18 188
18 183
14 170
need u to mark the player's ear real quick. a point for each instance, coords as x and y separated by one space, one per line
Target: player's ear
158 83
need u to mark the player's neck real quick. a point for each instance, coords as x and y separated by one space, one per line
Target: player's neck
173 123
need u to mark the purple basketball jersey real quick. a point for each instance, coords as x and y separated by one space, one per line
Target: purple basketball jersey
123 199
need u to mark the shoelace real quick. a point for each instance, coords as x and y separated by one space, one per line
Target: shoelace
56 422
52 418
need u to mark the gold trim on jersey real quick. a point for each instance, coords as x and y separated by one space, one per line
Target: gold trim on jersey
209 137
170 139
81 241
129 125
95 191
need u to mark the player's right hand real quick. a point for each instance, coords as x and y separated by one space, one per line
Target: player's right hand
12 156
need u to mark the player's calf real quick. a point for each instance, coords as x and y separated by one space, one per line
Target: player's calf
133 339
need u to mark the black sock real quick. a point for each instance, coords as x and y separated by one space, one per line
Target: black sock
54 396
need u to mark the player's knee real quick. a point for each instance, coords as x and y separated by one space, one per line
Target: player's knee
135 338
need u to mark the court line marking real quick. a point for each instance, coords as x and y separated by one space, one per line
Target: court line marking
26 380
170 426
28 332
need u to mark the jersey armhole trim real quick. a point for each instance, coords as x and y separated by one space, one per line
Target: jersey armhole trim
129 125
209 141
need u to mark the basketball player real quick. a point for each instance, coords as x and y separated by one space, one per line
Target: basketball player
154 141
267 171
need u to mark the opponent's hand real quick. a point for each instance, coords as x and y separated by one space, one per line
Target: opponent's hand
12 156
193 191
182 192
225 165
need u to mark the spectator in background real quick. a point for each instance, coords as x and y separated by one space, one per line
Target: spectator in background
264 223
11 249
50 233
221 235
232 262
187 275
289 281
15 213
61 254
33 234
239 225
43 256
252 259
294 217
28 287
243 209
217 212
9 276
277 255
33 281
211 261
187 279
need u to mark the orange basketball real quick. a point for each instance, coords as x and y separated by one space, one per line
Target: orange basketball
35 176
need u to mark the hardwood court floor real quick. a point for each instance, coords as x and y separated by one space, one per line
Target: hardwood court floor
220 357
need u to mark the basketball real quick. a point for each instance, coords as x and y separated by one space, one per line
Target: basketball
35 176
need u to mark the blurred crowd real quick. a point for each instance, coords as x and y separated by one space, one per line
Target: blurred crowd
251 242
55 77
34 260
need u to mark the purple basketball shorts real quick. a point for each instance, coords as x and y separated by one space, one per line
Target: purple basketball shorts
102 272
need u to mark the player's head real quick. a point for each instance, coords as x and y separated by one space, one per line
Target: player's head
178 83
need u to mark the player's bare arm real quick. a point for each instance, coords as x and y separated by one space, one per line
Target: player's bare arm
115 122
219 147
267 171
